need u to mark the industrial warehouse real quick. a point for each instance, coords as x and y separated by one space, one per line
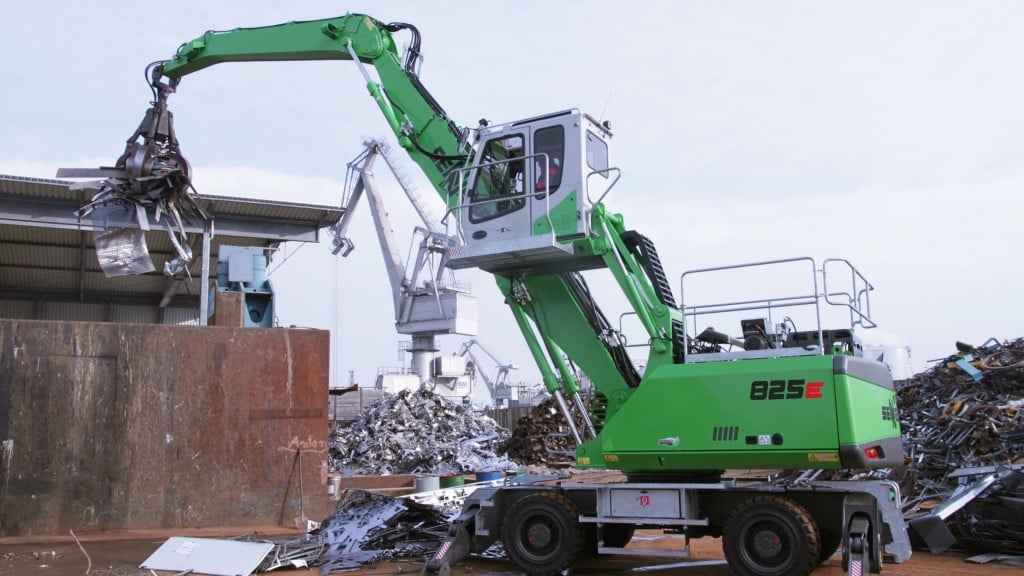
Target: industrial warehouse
157 419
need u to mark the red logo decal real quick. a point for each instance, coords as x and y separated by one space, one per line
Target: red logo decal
813 390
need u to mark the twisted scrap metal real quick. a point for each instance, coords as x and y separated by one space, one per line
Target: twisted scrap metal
419 432
967 412
150 176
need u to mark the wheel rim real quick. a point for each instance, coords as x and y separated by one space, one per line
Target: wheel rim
540 537
766 543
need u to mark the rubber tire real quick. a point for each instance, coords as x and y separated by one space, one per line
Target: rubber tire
542 533
828 543
777 522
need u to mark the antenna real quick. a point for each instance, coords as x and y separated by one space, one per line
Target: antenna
605 109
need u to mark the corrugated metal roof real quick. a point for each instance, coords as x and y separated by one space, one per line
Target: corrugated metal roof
287 211
41 236
47 189
41 188
47 253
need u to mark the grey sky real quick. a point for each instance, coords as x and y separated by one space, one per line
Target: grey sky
886 133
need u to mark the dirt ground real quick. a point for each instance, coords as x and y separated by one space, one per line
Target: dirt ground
120 554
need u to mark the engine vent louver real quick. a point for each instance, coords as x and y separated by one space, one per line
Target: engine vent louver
725 433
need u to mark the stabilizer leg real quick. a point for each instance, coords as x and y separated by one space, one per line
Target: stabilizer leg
454 548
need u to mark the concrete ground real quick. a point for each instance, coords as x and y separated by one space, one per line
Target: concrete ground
120 554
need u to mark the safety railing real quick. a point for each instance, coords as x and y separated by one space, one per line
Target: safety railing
857 298
605 173
767 336
466 204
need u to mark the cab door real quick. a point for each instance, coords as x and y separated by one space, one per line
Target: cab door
555 188
497 193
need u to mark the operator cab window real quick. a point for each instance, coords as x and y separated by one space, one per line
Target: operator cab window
549 151
499 186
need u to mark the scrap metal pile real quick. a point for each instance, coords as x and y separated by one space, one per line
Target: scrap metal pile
364 528
418 432
961 419
541 437
367 528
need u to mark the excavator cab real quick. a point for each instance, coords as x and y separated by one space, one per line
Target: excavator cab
529 192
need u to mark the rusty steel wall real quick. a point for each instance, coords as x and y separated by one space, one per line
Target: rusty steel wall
115 427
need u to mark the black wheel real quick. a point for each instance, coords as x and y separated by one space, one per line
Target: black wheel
542 533
828 543
770 536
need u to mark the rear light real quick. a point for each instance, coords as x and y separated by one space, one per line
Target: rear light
874 453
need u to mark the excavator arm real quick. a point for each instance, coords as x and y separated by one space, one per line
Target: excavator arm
561 320
562 316
554 310
422 127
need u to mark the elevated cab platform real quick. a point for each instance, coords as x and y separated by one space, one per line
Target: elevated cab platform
510 254
527 198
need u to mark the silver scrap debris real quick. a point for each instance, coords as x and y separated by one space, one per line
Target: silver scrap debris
298 553
1008 559
151 176
367 527
419 432
121 250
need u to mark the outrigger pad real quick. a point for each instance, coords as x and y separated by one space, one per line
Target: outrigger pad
932 530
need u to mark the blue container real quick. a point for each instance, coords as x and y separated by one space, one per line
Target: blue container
489 476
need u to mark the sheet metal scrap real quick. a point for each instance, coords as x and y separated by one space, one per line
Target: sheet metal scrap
995 520
418 432
366 528
956 418
150 176
298 553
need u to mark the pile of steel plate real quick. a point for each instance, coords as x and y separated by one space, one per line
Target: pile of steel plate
369 527
364 528
418 432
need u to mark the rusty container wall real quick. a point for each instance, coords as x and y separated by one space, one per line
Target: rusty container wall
115 427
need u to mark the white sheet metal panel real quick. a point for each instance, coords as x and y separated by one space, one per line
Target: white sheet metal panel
208 556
